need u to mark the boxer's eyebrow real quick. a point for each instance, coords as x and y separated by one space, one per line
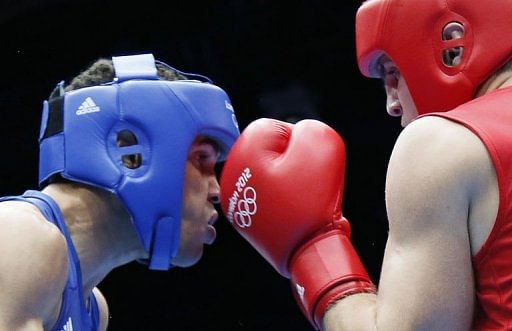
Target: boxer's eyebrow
207 145
209 141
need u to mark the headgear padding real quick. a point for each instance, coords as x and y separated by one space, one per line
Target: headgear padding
164 118
410 32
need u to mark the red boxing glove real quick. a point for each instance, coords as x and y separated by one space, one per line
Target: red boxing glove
282 188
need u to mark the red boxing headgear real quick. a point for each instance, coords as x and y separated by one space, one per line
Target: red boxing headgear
413 34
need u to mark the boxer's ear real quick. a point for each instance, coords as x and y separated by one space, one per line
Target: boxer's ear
452 57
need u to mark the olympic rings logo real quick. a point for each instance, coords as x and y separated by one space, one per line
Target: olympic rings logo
247 208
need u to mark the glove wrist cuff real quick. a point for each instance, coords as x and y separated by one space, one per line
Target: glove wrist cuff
337 293
326 269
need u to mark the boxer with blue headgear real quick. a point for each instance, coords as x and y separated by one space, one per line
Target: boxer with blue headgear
127 171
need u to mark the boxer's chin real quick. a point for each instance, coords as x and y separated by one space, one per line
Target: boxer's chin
188 258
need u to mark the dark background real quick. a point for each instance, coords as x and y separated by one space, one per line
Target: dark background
281 59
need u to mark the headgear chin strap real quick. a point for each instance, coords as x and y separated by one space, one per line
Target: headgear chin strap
80 140
413 33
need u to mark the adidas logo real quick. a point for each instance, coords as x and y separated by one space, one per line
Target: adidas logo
88 106
68 326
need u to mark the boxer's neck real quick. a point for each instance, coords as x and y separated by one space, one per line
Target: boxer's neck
101 230
501 80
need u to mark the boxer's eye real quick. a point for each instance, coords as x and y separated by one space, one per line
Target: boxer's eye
391 78
204 156
389 74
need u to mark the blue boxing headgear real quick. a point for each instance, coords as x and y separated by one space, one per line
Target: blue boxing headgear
79 141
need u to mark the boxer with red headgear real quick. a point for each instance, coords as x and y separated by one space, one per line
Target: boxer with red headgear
447 71
449 181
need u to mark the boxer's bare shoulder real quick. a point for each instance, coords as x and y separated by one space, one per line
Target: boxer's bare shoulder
33 266
436 155
442 150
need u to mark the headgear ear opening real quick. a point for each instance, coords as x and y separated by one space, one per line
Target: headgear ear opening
128 138
453 56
